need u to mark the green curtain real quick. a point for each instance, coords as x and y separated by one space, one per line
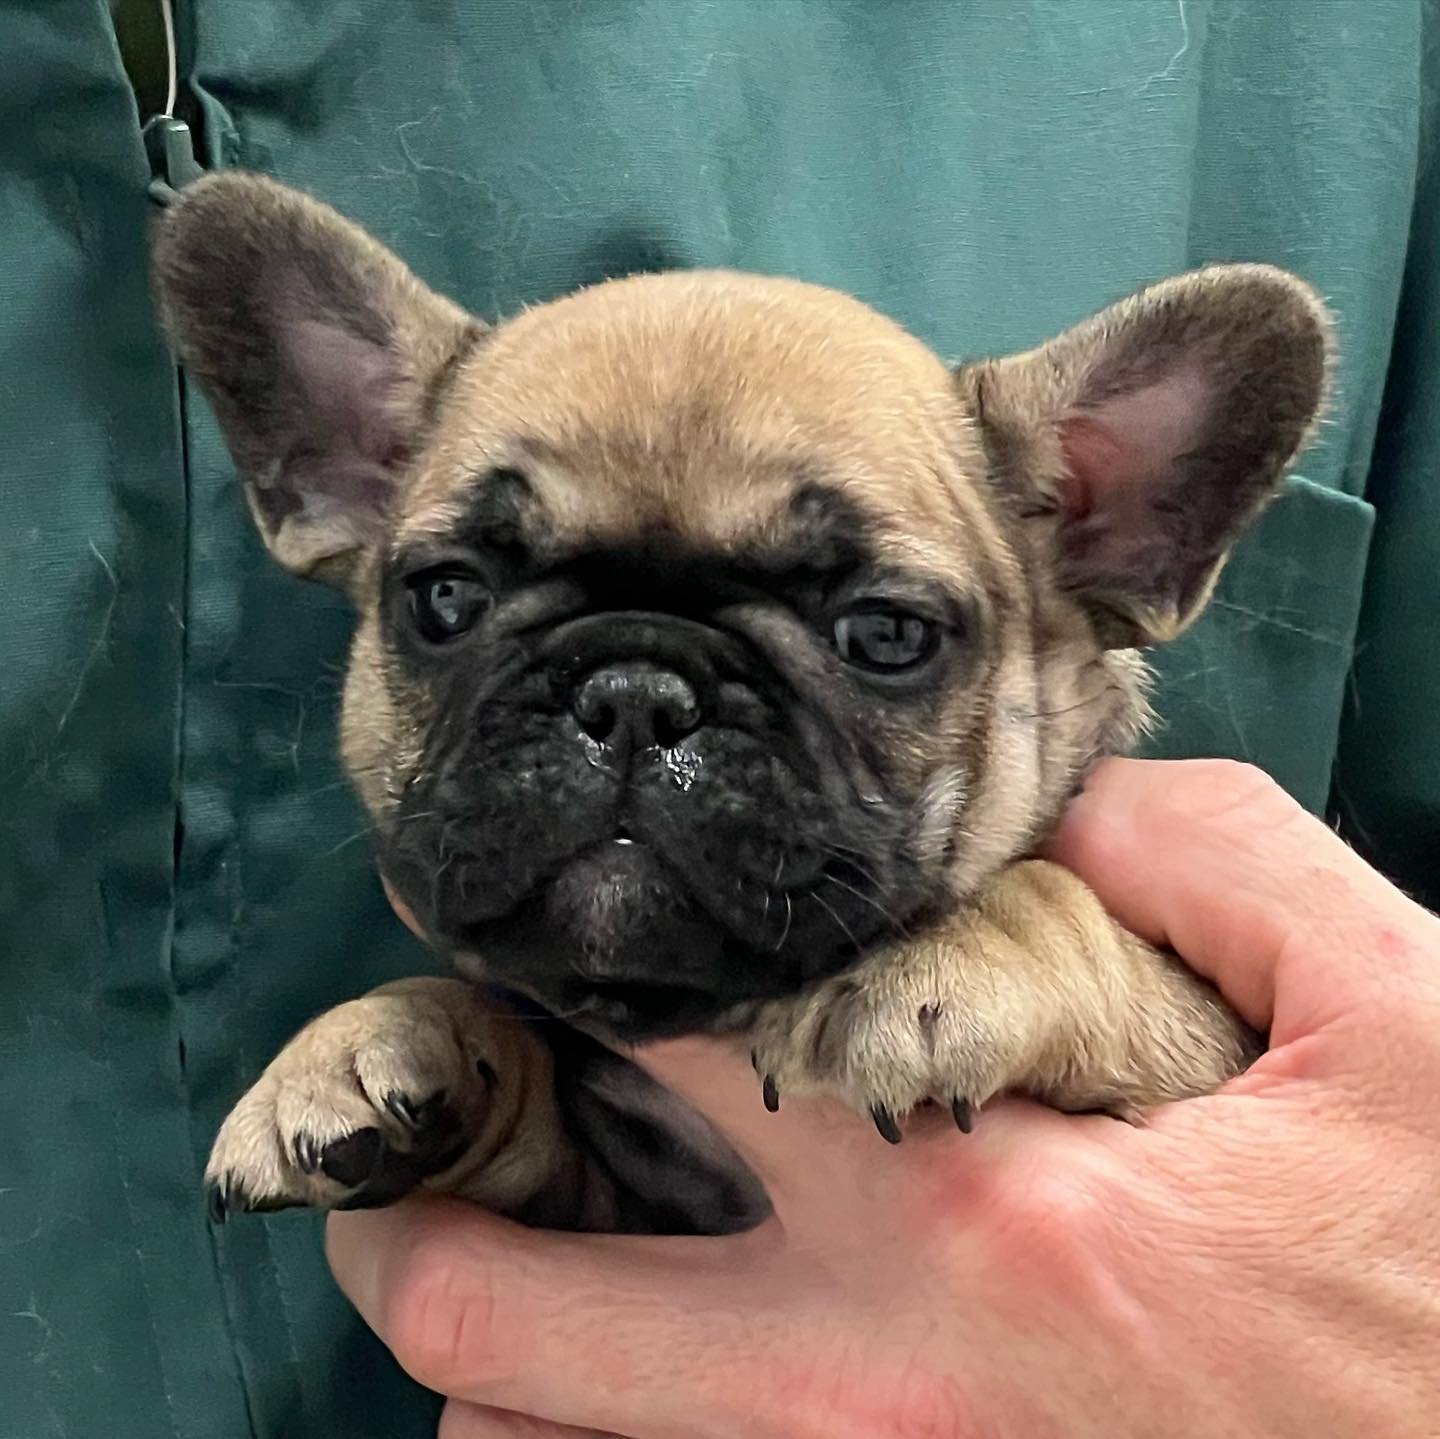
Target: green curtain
183 874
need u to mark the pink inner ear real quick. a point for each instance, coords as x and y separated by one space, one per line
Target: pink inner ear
1116 451
347 382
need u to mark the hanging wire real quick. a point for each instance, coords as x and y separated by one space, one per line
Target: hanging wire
168 142
172 75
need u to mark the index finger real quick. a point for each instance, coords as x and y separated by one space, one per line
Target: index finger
1215 860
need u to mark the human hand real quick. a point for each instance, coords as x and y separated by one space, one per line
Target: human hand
1264 1261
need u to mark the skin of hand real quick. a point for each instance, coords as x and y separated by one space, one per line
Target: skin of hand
1264 1261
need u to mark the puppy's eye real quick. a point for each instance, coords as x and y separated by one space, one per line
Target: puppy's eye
446 605
883 639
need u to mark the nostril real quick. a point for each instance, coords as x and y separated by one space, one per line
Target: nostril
672 723
597 718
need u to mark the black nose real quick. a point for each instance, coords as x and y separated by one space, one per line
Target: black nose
636 705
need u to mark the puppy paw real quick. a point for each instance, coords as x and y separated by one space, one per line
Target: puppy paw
882 1047
366 1103
1030 989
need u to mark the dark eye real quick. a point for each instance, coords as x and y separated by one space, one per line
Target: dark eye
445 606
884 640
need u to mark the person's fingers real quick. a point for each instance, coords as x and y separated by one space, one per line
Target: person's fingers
472 1421
1215 860
631 1335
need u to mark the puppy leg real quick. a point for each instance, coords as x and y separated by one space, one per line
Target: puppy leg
1033 989
429 1084
422 1083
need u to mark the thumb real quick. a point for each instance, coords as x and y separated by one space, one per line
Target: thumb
622 1334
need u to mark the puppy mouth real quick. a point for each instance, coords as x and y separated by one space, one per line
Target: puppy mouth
617 935
612 936
623 881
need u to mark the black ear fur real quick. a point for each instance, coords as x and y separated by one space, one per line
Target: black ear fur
651 1163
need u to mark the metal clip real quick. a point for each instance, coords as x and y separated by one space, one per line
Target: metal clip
171 151
169 146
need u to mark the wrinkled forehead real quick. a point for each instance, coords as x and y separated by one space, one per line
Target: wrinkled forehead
721 411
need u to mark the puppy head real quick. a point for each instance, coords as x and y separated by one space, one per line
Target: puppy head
711 630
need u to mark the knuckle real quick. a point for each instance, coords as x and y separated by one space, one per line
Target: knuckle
440 1321
1219 789
1054 1226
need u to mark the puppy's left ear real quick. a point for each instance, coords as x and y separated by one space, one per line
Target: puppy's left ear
322 356
1136 447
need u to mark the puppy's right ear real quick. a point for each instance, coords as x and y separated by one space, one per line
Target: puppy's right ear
322 355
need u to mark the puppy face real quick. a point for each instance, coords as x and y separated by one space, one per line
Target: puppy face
711 629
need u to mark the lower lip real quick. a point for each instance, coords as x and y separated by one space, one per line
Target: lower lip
617 866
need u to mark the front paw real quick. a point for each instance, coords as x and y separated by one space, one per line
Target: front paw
364 1104
1031 989
883 1045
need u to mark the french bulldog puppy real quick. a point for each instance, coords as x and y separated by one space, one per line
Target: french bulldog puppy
722 657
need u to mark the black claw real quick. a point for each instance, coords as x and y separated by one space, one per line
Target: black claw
402 1107
964 1119
226 1198
308 1152
755 1060
885 1123
487 1074
420 1116
771 1094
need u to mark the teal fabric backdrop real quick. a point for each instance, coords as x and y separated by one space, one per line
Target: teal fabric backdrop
183 876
